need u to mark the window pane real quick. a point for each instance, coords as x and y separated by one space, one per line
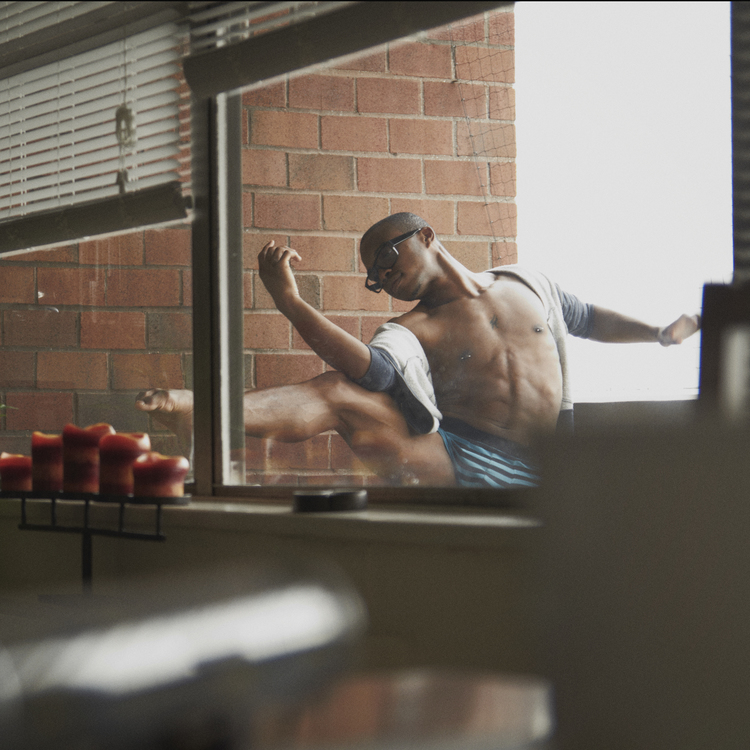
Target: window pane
427 125
625 193
89 325
424 125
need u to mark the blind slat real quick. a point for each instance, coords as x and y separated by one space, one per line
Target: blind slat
109 95
43 16
80 70
24 96
87 28
102 185
148 122
78 157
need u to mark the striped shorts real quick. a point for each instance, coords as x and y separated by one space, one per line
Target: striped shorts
483 460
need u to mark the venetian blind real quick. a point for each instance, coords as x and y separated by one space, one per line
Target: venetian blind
92 141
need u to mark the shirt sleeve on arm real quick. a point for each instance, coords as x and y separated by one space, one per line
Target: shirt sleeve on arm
381 374
578 316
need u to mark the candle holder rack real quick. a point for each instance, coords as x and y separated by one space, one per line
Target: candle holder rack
86 530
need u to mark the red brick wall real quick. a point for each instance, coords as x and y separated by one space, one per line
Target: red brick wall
326 155
86 326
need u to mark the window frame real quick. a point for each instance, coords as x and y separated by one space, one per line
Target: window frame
211 374
217 292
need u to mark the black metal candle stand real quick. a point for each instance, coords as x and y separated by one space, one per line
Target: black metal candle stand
86 530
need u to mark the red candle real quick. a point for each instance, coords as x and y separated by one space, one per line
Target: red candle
155 475
15 472
46 462
81 456
116 456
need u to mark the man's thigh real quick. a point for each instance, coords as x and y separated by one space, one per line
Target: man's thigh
375 429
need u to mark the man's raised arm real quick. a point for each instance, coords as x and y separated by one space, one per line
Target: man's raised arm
332 344
612 327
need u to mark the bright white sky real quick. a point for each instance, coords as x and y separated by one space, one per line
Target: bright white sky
624 172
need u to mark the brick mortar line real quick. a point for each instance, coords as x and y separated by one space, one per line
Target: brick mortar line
385 155
38 264
459 197
85 350
487 86
73 265
327 312
374 154
354 73
302 233
323 233
31 306
79 350
356 113
376 116
435 197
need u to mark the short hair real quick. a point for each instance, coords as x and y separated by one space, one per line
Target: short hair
401 223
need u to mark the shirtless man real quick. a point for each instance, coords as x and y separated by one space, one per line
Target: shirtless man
492 345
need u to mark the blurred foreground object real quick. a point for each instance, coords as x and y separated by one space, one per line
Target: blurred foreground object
725 352
424 709
178 661
641 587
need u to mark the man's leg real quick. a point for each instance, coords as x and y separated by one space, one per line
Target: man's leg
370 423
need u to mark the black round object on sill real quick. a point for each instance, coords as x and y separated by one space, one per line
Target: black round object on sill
326 501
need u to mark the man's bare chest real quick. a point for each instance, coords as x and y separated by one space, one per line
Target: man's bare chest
507 314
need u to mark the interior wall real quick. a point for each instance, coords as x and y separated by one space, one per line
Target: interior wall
430 602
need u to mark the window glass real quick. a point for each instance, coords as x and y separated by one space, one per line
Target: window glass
424 125
624 136
428 125
89 325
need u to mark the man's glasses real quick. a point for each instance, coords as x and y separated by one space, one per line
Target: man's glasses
385 257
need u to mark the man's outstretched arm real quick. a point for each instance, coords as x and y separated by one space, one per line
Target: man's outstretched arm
332 344
612 327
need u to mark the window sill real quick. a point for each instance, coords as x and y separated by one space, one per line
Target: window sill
453 527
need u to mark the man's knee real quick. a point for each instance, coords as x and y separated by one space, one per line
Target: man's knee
333 386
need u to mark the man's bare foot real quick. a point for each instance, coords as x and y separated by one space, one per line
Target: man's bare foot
173 409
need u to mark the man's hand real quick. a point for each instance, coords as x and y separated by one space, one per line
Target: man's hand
332 344
684 327
274 264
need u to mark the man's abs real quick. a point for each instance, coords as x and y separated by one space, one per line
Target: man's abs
494 362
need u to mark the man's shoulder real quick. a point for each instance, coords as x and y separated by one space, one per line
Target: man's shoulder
546 289
411 318
422 323
527 274
516 269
